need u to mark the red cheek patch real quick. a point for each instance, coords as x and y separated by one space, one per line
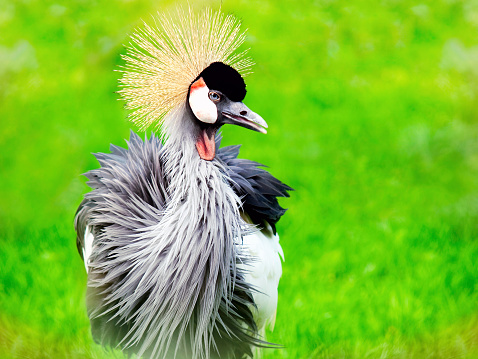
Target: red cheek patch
198 84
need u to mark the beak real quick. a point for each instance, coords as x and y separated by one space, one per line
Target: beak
236 113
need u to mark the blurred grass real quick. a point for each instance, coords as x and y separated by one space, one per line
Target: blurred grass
373 120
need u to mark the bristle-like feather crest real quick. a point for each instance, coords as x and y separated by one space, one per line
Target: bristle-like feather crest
163 60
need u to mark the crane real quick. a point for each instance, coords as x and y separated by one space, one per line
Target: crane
178 236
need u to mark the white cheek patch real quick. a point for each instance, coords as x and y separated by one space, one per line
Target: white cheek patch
203 108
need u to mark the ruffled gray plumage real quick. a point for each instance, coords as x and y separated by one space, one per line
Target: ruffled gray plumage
162 279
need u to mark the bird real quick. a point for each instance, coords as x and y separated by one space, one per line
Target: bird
178 235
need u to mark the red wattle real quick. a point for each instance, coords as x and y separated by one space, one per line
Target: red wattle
206 145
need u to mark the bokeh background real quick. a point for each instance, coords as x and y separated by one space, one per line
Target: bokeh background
373 116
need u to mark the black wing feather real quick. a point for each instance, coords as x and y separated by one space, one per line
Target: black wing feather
257 187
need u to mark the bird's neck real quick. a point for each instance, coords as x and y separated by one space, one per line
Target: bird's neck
202 223
183 131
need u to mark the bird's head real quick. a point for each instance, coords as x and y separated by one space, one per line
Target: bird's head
188 63
215 99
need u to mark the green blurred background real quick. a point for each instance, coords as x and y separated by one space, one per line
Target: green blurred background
373 116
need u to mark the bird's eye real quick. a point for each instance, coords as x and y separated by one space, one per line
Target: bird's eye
214 96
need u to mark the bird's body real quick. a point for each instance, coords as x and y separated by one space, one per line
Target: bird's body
179 239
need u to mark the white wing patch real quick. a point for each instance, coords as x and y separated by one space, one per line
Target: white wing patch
87 246
263 273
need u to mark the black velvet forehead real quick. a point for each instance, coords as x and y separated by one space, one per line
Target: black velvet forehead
221 77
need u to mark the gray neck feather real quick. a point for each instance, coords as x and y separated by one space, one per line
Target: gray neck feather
187 261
